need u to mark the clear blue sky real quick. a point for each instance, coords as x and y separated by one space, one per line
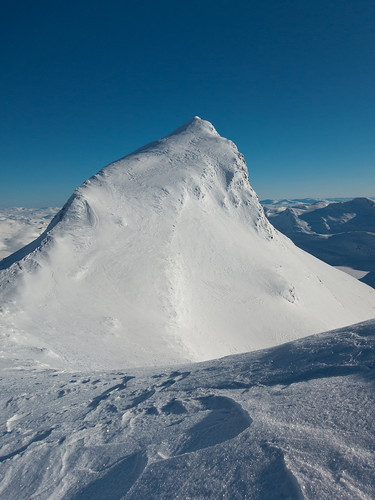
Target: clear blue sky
291 82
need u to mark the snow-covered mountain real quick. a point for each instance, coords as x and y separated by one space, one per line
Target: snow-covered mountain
295 422
165 256
342 234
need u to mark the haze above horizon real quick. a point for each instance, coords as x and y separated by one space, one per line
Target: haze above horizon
291 83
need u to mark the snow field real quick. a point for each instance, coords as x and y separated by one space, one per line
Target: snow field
293 421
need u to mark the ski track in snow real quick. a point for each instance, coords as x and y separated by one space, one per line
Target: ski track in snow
294 421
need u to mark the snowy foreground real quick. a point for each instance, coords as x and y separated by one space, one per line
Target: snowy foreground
294 421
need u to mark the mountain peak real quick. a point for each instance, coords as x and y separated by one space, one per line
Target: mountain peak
196 126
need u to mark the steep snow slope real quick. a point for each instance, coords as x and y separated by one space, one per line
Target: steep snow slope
166 256
341 234
294 422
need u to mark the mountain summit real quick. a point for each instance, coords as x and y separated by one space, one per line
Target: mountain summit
166 256
196 126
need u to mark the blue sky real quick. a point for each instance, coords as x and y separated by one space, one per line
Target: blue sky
291 82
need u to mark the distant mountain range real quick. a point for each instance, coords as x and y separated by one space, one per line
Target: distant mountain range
301 201
339 233
19 226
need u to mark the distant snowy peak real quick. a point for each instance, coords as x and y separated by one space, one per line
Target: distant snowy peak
288 222
354 215
323 217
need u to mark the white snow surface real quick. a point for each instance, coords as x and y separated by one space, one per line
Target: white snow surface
166 256
295 421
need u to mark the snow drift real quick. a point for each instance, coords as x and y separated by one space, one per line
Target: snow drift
166 256
295 421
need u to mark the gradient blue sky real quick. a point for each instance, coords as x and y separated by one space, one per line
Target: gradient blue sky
291 82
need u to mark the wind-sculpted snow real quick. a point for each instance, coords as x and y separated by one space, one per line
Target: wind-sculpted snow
294 421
